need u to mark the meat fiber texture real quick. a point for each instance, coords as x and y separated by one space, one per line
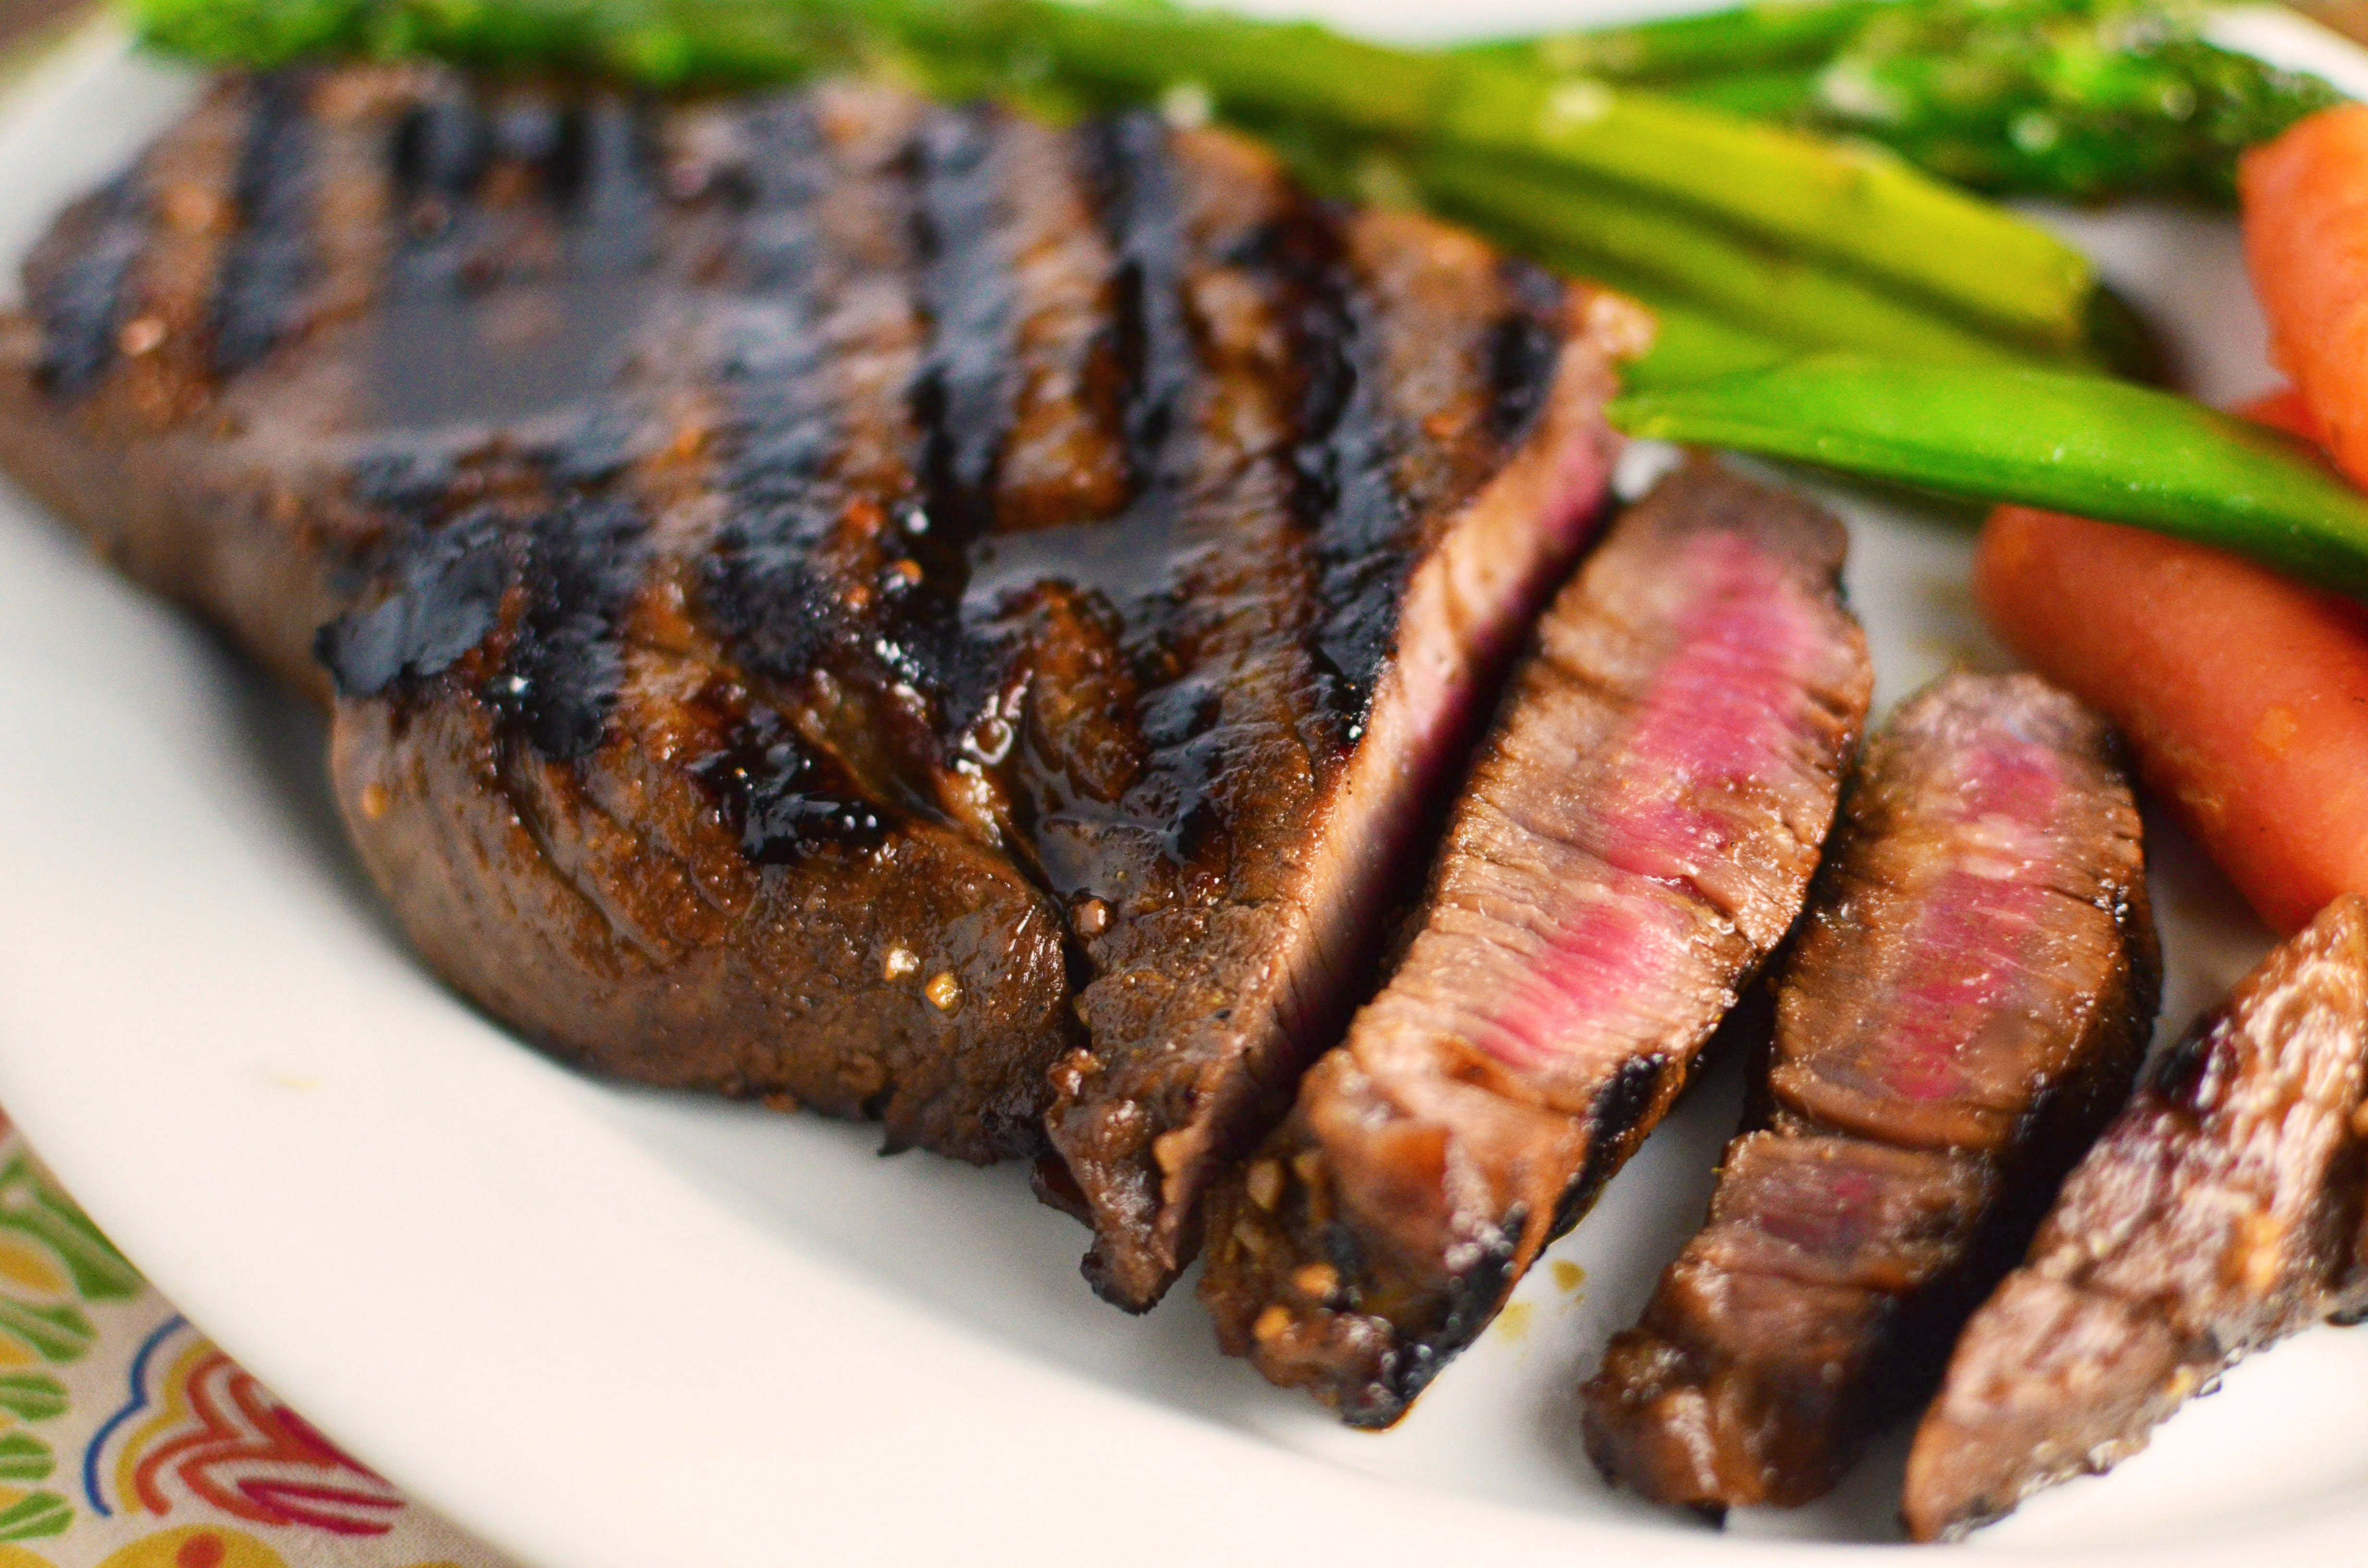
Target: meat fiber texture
2220 1212
902 610
1965 1006
1636 837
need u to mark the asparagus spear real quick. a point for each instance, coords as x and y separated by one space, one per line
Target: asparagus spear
1753 38
2079 102
2079 98
1857 211
1860 210
1782 94
1661 255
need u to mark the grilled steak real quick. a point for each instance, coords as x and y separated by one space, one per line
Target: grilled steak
1965 1006
842 599
1637 836
2220 1212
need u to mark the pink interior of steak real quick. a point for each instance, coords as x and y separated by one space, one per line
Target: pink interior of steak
2014 890
1581 939
1717 718
1967 1001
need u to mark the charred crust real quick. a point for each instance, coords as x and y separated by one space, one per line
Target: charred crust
964 396
583 563
259 289
1481 1273
782 800
443 596
1523 353
77 281
1129 162
444 591
1623 1108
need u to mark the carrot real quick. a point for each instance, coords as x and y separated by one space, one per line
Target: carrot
2286 410
2305 201
2244 695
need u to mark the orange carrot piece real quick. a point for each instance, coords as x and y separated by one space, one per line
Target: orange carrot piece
2305 201
2284 410
2244 695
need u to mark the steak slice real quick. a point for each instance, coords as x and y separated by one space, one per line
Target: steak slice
2220 1212
1964 1007
1636 838
839 598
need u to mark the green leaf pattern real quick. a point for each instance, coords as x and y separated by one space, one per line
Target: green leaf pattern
58 1333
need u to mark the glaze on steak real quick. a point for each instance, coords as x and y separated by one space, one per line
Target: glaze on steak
849 601
1636 838
1964 1007
2220 1212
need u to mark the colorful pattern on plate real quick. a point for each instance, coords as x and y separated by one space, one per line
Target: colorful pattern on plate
129 1440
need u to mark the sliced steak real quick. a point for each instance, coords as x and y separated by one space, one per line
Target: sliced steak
841 599
2220 1212
1964 1007
1636 838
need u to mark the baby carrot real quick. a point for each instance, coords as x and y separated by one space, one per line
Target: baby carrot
2284 410
2244 694
2306 198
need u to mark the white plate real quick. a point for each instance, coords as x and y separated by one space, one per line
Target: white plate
613 1329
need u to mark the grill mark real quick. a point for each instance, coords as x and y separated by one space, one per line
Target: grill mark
1130 168
597 170
1342 462
440 149
274 260
579 564
777 584
963 398
1127 166
528 227
448 588
963 401
757 582
1524 348
783 800
560 682
83 304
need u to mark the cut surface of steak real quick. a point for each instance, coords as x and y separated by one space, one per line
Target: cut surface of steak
2220 1212
836 598
1964 1007
1636 837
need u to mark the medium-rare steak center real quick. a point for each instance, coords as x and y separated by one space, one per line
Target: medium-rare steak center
1965 1006
1636 838
837 598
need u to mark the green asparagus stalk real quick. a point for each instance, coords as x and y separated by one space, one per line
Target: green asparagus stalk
2076 98
2082 107
2099 448
1857 211
1782 96
1861 211
1662 255
1679 49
